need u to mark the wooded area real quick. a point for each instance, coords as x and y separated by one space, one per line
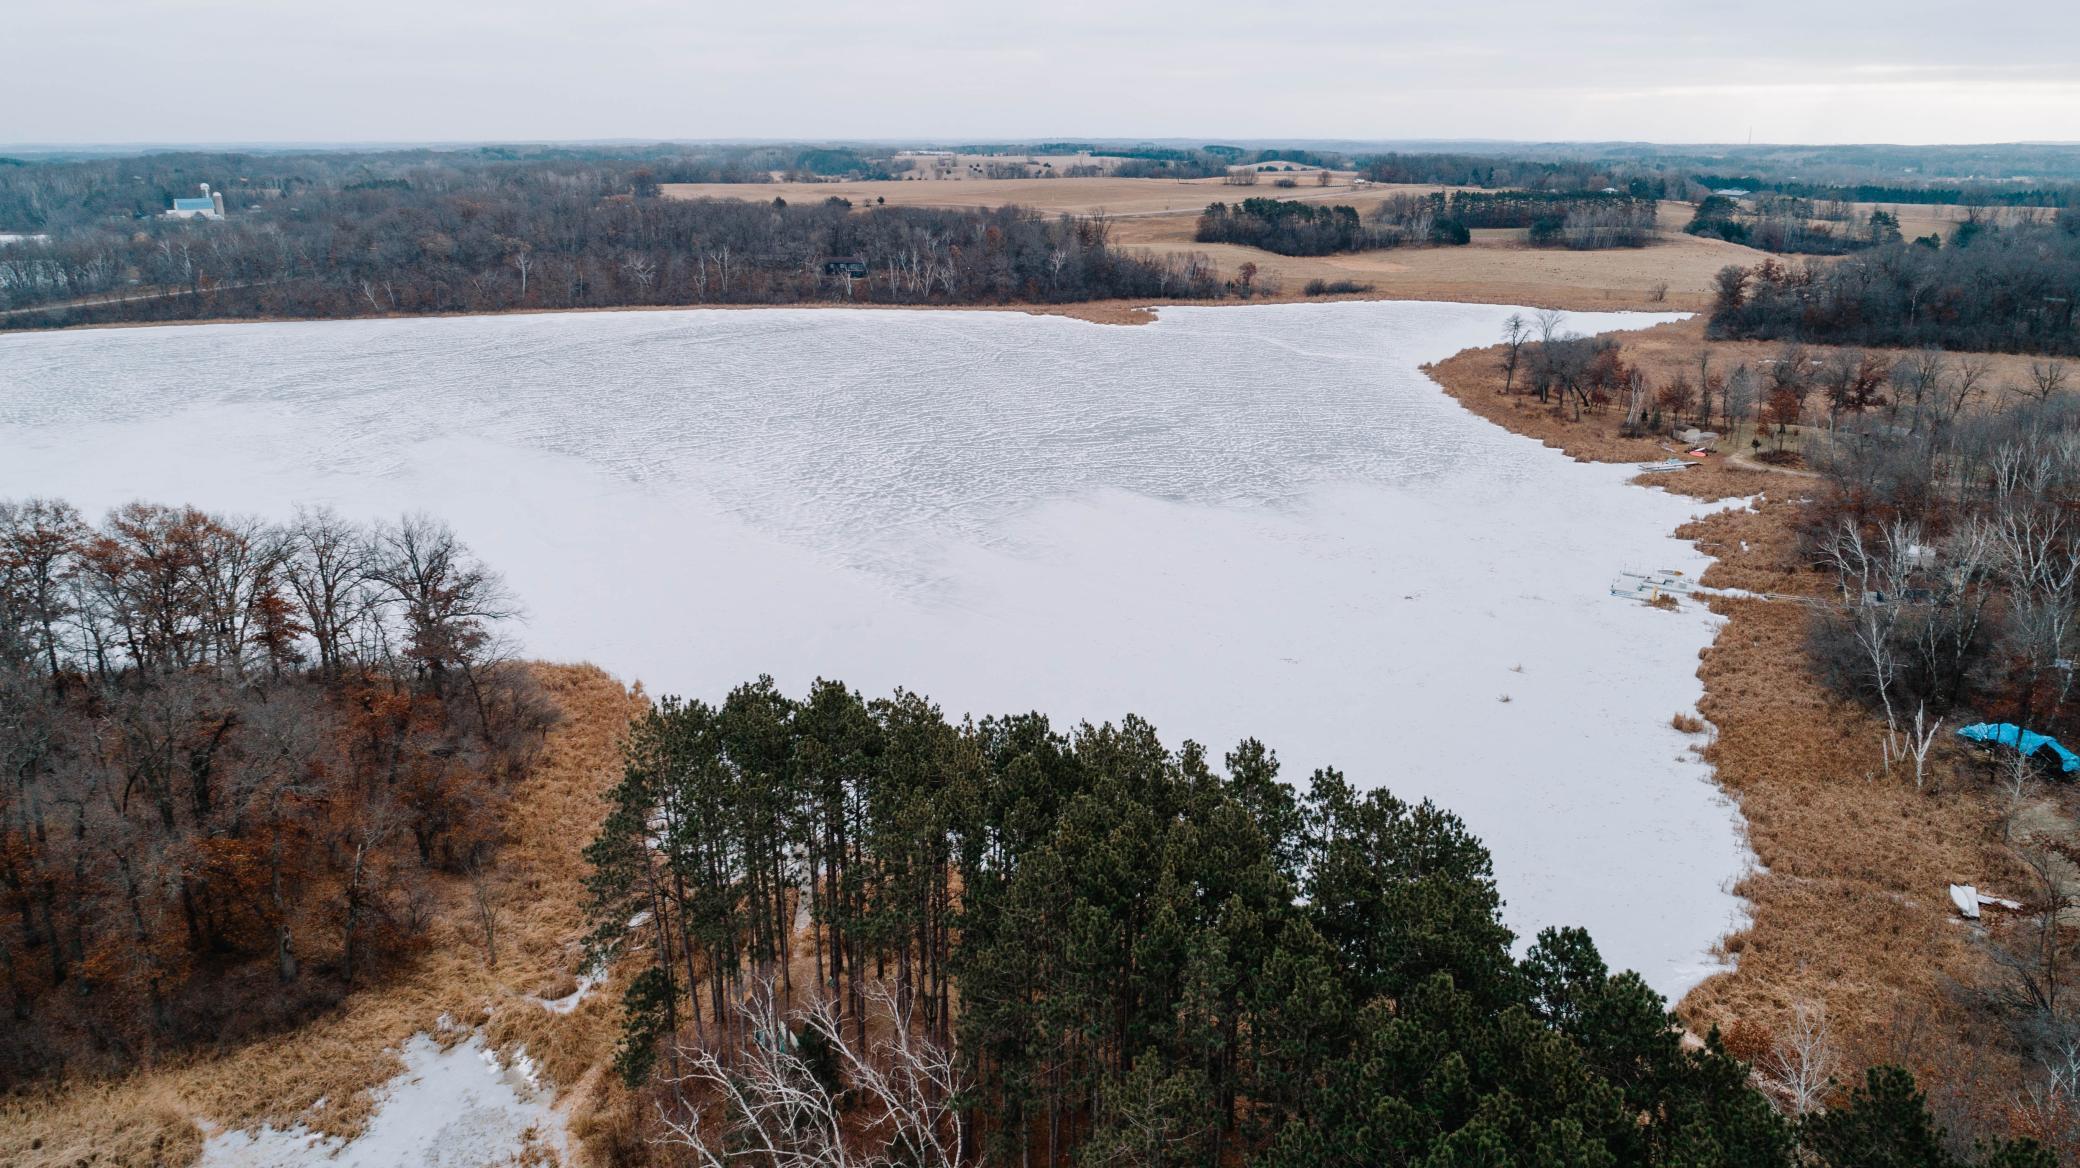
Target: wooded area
856 930
1287 227
1955 558
1579 220
231 754
1992 289
1571 220
491 236
1793 226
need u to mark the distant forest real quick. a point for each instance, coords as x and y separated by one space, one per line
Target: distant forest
341 233
1981 194
2025 176
334 238
2012 289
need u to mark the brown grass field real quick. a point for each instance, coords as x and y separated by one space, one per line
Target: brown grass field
1159 215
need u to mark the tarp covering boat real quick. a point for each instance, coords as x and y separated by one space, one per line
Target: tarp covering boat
2027 742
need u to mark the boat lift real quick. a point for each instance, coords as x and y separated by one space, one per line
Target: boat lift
1648 587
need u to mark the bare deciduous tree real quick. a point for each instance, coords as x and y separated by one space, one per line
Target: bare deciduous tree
799 1093
1799 1071
2047 379
1516 332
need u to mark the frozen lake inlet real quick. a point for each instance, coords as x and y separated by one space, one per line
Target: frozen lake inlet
1258 521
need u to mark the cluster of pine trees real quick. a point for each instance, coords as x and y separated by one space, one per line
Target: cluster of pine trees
1133 957
1286 227
231 754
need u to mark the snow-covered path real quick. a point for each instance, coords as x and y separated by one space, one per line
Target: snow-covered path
455 1107
1239 521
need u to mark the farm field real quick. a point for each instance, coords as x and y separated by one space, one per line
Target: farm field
1160 215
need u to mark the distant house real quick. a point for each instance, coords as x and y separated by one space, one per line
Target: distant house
854 266
207 206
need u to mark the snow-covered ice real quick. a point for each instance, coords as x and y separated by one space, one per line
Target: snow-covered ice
1238 521
455 1108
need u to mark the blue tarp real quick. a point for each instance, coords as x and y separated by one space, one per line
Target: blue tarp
2029 742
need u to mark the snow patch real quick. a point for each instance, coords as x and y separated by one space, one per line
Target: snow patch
459 1107
571 1001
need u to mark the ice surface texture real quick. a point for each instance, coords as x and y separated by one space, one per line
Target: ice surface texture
1238 521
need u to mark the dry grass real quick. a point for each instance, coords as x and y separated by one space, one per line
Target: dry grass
152 1118
1159 215
1849 903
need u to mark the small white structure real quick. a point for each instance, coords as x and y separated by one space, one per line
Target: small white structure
208 206
1968 901
1652 587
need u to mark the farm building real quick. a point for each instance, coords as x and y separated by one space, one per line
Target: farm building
207 206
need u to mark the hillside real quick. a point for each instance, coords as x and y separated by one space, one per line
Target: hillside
322 1076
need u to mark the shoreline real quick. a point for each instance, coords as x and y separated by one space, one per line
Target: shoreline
1123 312
1850 864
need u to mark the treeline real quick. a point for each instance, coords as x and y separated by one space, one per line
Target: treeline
1792 226
1942 194
62 195
1526 174
1286 227
1945 175
232 754
1147 161
1994 289
532 240
859 933
1580 220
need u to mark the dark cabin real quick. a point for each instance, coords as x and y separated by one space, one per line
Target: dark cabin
853 266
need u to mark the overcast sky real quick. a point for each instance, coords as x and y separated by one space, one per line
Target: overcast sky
88 71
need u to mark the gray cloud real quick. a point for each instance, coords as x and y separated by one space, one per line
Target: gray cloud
269 70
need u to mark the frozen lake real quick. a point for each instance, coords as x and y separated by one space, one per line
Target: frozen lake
1238 521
